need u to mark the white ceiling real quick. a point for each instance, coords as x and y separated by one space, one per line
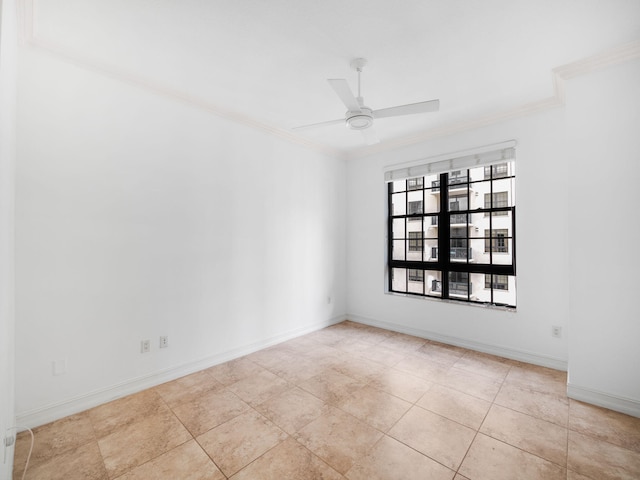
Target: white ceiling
265 62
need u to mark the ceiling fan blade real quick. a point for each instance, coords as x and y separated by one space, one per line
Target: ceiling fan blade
420 107
370 136
321 124
341 87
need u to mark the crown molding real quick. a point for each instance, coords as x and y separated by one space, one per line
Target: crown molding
28 37
179 96
617 55
614 56
620 54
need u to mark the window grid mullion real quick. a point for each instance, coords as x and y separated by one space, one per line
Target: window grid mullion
445 239
444 233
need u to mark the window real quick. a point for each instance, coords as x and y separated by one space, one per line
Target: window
457 177
471 225
459 283
500 200
416 275
500 170
457 202
415 208
415 241
496 240
500 282
415 183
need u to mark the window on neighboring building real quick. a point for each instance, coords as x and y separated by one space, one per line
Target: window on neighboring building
457 177
496 240
415 208
457 202
500 170
496 200
415 183
472 219
500 282
415 241
459 283
416 275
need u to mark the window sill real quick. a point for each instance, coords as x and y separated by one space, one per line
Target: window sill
434 298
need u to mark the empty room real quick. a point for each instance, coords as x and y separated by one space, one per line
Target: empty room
363 240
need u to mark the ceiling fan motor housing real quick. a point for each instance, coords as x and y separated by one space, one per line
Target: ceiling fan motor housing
360 120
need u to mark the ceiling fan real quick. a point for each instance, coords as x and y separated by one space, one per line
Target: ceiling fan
359 116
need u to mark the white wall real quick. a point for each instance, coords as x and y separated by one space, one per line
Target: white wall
603 118
7 162
541 248
137 217
577 232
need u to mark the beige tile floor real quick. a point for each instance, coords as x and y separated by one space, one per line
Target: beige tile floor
347 402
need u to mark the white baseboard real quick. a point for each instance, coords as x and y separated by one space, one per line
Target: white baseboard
55 411
523 356
584 394
602 399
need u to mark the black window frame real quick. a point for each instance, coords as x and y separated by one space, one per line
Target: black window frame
445 264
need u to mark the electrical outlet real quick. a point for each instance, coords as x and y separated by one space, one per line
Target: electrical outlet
556 331
9 440
145 346
164 342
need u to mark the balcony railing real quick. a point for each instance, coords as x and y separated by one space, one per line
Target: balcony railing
460 253
455 253
458 180
456 219
453 181
460 288
459 218
455 288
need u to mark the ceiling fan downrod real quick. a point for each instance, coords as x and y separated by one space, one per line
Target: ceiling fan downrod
358 64
362 119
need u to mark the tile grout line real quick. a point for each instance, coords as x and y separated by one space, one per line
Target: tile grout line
367 381
160 454
338 407
481 423
295 385
415 404
594 437
104 465
193 436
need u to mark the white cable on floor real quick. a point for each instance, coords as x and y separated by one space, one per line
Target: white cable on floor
26 466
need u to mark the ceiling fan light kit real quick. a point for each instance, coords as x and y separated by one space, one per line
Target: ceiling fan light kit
360 120
359 116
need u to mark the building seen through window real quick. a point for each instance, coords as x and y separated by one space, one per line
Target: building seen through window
471 220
